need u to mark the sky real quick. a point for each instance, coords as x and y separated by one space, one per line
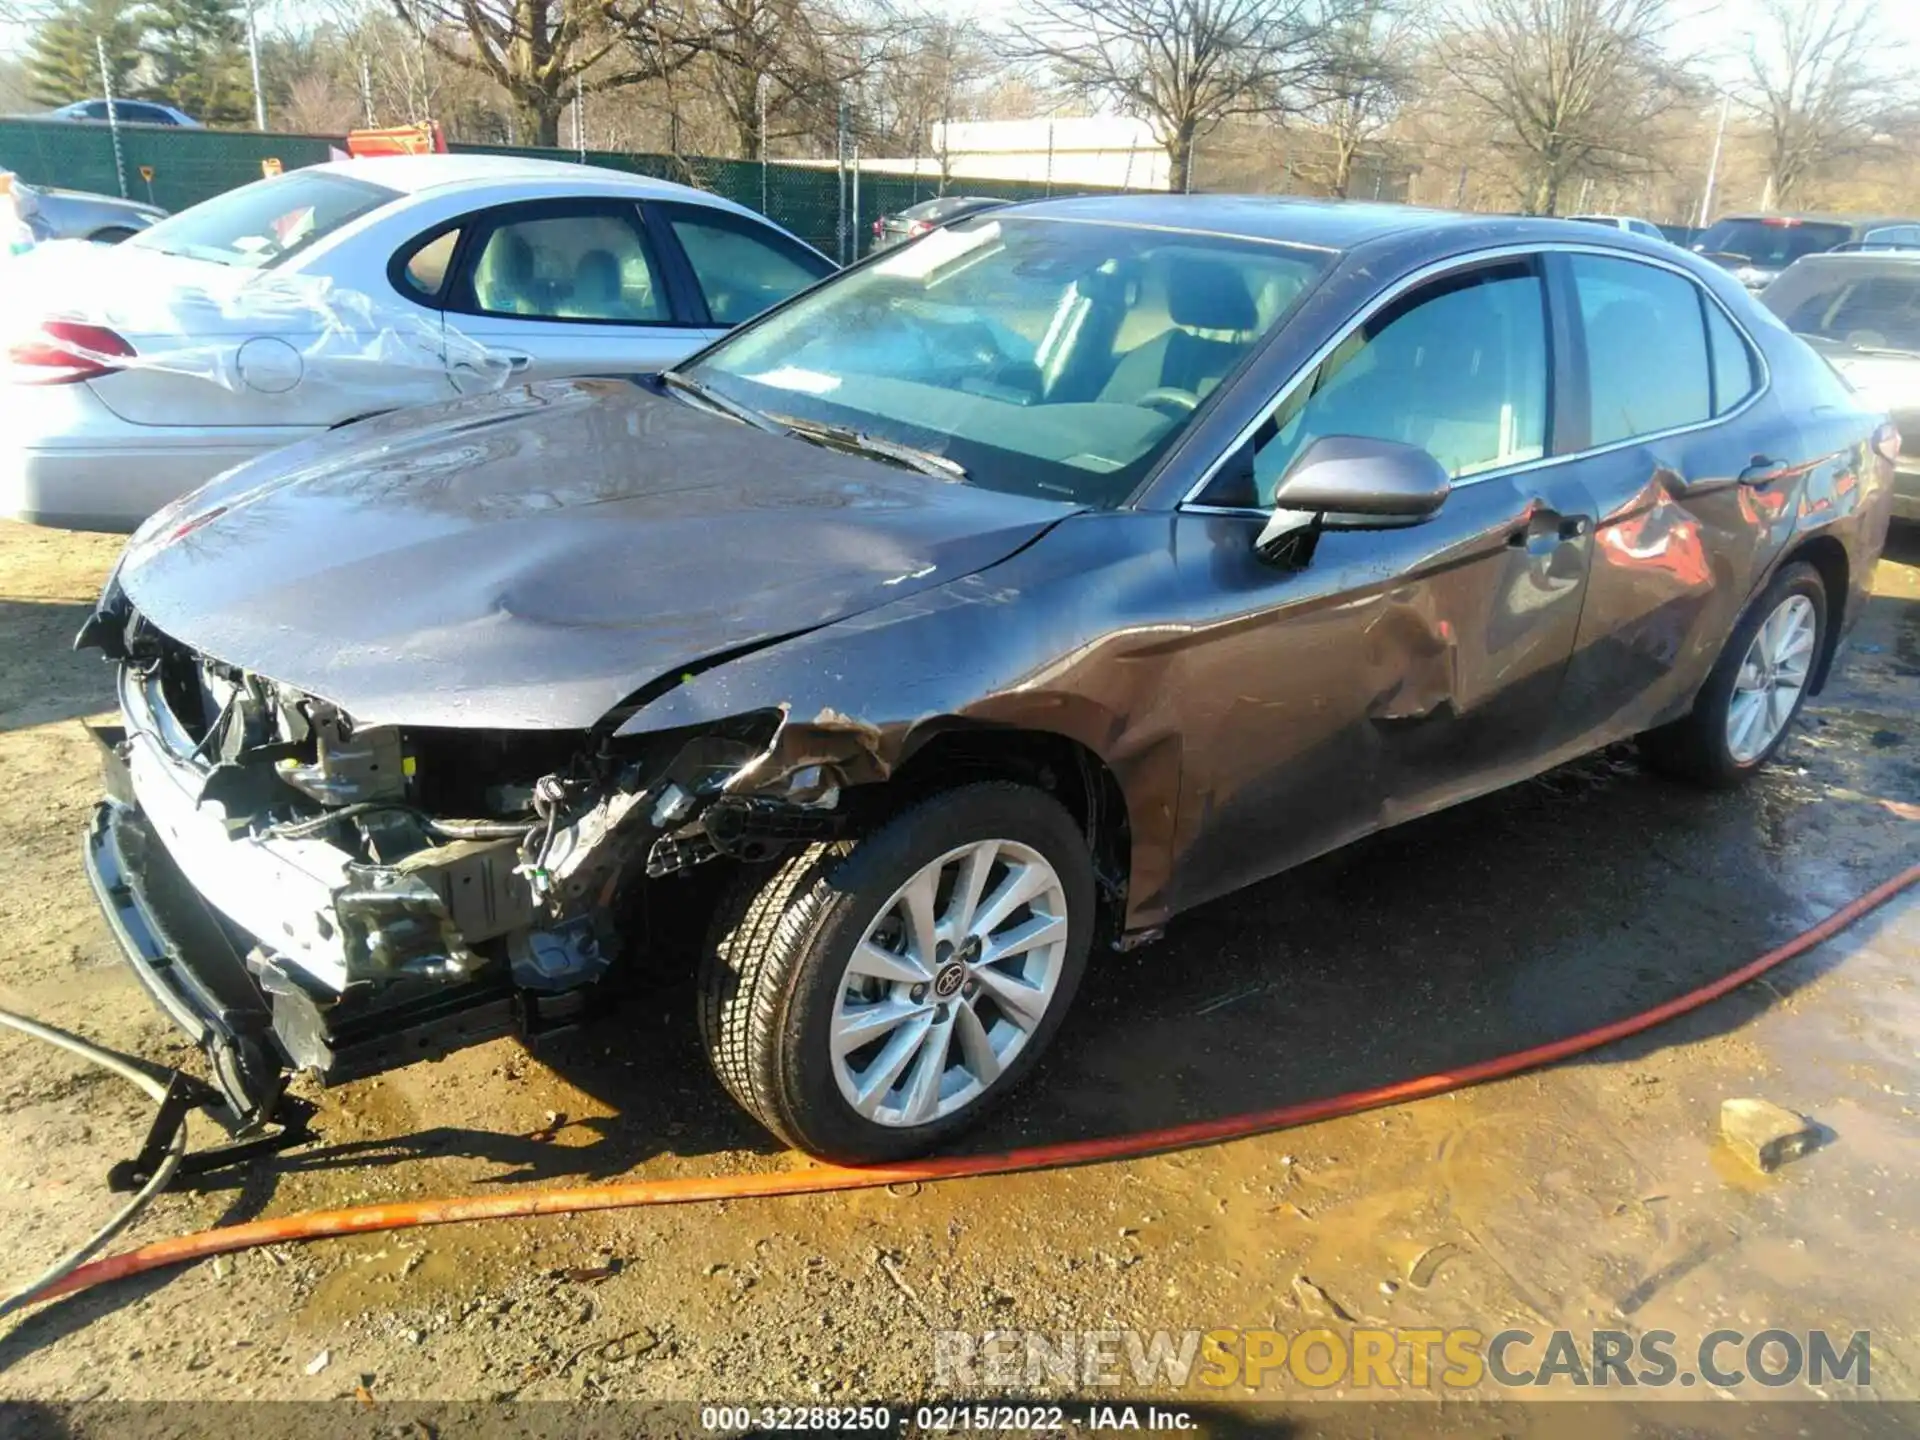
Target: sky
1713 29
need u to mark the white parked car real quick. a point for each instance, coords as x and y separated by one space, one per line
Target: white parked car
1631 223
328 294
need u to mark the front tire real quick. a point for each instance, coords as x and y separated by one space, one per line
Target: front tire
868 1000
1747 706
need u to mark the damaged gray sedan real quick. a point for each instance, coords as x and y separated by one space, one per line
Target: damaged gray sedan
967 616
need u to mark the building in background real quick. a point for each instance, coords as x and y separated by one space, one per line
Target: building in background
1107 151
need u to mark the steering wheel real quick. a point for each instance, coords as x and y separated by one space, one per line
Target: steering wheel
1170 399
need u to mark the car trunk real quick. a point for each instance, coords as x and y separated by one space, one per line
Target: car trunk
216 346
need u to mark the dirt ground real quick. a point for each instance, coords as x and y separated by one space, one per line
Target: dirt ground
1590 1195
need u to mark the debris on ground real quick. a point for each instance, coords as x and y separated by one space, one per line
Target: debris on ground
1427 1265
319 1362
1316 1301
590 1274
1764 1134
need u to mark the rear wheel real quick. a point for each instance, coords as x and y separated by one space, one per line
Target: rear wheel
1755 690
867 1000
112 235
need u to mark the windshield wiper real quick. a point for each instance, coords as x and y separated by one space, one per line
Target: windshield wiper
714 400
845 437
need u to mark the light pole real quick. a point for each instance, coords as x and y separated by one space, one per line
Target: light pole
1713 165
253 59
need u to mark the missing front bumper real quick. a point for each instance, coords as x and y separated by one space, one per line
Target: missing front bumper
159 922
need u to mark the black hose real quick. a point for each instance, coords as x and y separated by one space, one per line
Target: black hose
446 829
162 1174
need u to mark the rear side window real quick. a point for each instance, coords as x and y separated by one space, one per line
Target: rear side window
1733 377
741 268
1458 368
1647 365
425 273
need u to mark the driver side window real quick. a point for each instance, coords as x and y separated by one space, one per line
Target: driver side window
1457 368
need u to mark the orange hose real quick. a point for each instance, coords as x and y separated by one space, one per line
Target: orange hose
361 1219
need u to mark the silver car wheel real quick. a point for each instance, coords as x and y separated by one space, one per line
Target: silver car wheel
1771 679
949 982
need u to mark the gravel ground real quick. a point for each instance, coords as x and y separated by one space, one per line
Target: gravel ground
1590 1195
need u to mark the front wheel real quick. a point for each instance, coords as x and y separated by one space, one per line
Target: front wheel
1755 690
867 1000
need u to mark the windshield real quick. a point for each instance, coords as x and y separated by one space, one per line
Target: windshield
262 224
1056 359
1867 307
1773 243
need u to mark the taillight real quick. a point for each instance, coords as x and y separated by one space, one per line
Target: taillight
879 228
917 229
60 352
1887 441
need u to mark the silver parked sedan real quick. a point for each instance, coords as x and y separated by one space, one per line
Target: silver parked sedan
78 215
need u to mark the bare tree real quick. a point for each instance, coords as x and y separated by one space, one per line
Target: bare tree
936 75
1818 75
1570 87
1182 65
776 67
546 53
1361 82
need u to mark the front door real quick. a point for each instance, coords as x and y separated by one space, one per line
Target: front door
1398 669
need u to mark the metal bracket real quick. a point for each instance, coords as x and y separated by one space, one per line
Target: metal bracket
185 1095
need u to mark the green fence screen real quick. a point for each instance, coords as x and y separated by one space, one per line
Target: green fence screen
188 166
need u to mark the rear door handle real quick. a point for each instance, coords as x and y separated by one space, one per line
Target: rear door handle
1548 524
516 362
1763 470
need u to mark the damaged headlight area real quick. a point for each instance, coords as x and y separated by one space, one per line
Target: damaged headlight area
392 892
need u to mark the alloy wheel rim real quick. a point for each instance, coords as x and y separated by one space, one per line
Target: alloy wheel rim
949 983
1772 677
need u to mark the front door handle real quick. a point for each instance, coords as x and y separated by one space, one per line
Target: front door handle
517 363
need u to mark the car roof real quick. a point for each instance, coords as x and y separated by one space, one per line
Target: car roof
1859 259
1323 224
1333 225
416 174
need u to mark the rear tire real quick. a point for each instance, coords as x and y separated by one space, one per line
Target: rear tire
1748 704
858 1004
112 235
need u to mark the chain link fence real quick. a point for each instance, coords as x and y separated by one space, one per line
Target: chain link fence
831 208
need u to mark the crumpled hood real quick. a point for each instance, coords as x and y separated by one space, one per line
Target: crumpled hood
529 559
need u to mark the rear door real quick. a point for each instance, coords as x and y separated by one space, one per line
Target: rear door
570 287
1664 384
1398 669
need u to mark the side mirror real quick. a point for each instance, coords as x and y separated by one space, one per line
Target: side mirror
1349 482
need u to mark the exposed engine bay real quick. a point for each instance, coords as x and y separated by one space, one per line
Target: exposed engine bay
394 892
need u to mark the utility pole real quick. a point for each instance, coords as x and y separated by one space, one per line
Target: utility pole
840 153
253 57
1713 165
580 118
366 89
113 113
760 104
